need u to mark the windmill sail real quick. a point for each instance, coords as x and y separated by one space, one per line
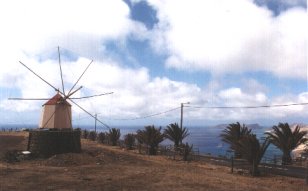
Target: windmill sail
56 112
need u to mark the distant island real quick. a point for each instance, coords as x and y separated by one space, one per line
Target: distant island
252 126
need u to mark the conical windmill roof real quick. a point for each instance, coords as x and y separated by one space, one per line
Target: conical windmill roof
56 100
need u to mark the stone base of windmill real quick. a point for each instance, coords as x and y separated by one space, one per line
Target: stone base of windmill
48 142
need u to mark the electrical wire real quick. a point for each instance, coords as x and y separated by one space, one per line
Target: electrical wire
211 107
246 107
148 116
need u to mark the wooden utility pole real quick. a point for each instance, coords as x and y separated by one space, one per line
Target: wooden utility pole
95 122
181 122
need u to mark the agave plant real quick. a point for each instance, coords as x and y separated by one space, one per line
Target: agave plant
176 134
251 150
150 136
114 136
232 134
286 140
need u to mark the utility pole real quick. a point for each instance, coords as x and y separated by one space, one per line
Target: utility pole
182 105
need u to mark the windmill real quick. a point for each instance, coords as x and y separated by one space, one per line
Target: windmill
56 112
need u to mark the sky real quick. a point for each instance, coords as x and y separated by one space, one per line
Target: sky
155 55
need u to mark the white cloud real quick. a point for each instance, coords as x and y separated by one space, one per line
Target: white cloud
214 36
33 27
283 4
231 37
235 97
238 98
135 92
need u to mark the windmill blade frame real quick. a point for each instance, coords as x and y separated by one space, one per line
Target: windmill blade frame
56 89
72 92
84 97
28 99
61 71
80 77
88 113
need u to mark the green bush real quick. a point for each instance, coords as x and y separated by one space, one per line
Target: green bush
175 133
151 137
286 140
252 151
233 134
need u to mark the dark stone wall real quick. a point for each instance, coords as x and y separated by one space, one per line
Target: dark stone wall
45 143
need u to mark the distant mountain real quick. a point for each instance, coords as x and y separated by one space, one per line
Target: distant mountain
254 126
251 126
221 126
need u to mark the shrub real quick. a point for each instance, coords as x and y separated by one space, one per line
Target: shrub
102 137
176 134
84 134
186 151
232 135
150 136
129 141
114 136
252 151
286 140
11 156
92 135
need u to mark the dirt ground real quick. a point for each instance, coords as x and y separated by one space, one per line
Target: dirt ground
101 167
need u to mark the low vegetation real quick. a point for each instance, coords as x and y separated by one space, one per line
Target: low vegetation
92 135
129 141
244 144
286 140
84 134
176 134
252 151
186 151
114 136
233 134
102 137
151 137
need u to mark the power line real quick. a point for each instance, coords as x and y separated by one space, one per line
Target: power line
207 107
148 116
246 107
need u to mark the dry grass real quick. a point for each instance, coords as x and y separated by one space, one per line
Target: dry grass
101 167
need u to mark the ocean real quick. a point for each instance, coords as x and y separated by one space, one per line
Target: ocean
204 139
